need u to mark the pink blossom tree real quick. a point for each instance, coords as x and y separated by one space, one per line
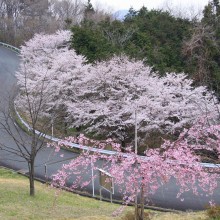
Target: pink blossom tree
144 175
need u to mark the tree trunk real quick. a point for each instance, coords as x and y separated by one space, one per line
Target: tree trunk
136 216
141 217
31 177
123 146
139 207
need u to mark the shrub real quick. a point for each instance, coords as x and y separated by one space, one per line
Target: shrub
213 212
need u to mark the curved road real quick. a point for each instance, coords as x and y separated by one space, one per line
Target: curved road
165 196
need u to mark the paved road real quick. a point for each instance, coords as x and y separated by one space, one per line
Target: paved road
165 197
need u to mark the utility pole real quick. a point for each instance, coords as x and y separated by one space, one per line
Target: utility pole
135 134
135 150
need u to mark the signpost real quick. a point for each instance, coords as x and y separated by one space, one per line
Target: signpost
106 183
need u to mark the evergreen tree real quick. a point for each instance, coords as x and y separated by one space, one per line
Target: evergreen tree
158 39
89 41
155 36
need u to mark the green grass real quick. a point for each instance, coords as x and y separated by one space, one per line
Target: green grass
50 203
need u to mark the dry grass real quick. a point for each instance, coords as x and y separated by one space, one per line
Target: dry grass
154 215
182 216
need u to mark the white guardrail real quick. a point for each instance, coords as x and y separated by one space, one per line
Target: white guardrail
73 145
17 50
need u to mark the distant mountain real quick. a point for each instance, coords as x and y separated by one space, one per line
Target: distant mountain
120 15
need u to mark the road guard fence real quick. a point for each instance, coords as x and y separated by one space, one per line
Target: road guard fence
17 50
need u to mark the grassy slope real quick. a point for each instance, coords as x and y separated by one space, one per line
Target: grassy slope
15 203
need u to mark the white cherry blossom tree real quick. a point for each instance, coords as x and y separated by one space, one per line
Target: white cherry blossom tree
107 96
103 97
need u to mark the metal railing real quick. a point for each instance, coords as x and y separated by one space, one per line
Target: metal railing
69 144
17 50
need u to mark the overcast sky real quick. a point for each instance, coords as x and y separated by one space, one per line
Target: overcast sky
137 4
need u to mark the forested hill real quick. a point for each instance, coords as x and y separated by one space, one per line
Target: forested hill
168 43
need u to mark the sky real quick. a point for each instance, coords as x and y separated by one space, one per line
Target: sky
116 5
